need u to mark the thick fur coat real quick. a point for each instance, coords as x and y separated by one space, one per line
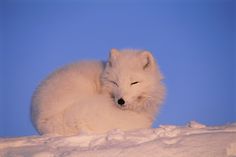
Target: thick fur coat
93 96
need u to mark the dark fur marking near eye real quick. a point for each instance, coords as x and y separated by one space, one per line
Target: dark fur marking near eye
112 95
140 98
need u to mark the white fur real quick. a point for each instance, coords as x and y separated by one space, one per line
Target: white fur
82 97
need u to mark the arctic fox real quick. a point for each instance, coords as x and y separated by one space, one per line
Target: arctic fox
93 96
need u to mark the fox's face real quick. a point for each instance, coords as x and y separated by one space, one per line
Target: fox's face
131 78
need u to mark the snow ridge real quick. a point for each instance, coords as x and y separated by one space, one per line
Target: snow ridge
194 139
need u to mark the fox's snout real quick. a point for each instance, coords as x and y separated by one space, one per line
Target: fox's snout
121 101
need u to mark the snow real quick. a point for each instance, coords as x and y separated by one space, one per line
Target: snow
193 140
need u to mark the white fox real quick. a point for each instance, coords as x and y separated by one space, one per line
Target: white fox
93 96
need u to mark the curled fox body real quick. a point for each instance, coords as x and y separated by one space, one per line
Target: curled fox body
94 96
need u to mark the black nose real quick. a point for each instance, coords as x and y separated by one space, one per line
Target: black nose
121 101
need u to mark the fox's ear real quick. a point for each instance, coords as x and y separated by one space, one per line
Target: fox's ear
147 60
114 53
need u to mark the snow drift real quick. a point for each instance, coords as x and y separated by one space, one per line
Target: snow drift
192 140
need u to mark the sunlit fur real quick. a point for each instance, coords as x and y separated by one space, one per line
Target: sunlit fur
128 67
82 97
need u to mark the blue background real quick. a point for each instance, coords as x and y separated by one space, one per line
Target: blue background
194 42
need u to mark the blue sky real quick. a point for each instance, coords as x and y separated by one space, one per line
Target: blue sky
193 41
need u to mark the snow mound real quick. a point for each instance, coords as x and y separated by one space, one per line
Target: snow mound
193 140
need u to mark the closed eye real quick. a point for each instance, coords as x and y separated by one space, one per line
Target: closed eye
133 83
114 83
